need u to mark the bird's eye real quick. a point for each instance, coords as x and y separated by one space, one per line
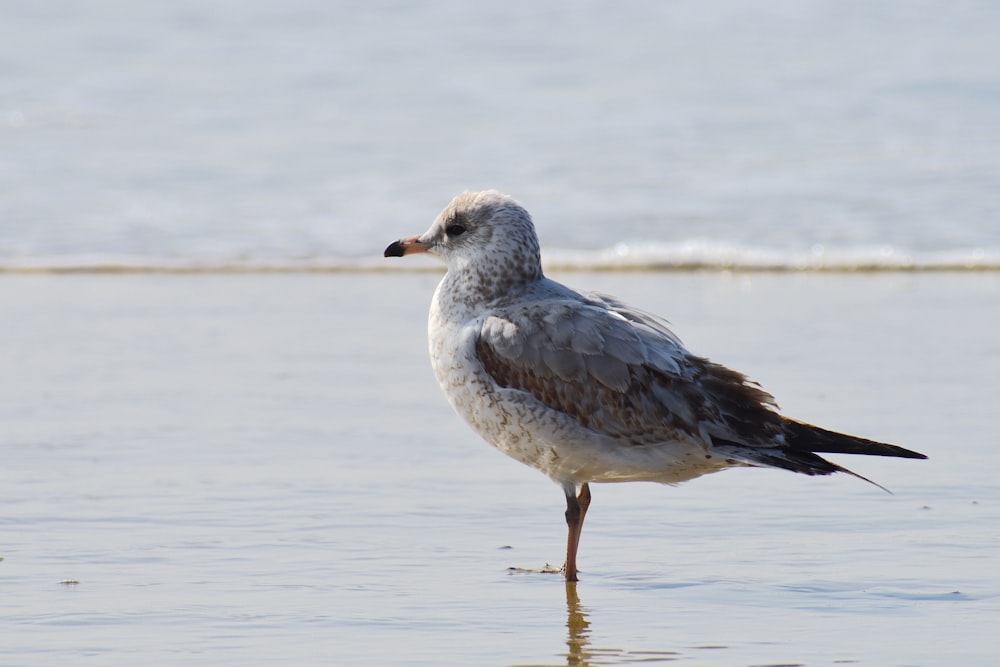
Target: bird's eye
455 230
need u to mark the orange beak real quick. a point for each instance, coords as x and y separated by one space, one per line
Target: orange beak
407 246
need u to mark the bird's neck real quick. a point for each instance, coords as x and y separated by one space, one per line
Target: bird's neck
471 285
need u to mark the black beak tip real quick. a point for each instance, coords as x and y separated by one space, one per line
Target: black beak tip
395 249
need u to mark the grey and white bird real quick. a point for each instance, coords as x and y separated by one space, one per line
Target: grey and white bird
584 387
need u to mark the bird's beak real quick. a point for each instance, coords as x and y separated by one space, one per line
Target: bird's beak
408 246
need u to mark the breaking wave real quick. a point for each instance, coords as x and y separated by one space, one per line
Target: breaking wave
692 255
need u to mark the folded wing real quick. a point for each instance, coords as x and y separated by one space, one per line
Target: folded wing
623 373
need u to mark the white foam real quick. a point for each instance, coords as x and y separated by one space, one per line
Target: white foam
691 255
702 254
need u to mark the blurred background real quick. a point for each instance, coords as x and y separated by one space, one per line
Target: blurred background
793 133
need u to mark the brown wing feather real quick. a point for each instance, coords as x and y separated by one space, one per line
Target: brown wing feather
651 406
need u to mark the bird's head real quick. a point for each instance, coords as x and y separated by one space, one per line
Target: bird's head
479 231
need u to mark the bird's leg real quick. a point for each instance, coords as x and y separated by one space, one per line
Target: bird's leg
576 511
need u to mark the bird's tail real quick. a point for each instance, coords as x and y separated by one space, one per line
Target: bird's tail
808 438
803 441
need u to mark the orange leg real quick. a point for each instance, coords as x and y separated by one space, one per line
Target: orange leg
576 511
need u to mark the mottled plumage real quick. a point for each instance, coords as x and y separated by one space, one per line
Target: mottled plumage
580 385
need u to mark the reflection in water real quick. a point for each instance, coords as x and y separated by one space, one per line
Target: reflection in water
578 636
581 654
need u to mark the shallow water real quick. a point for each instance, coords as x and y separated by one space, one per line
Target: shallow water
233 470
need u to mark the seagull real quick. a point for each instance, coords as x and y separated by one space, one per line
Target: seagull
584 387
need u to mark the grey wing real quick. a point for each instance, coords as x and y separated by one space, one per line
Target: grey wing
640 318
622 372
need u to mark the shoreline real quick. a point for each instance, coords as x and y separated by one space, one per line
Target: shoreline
555 267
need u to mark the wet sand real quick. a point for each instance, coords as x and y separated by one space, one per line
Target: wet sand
260 469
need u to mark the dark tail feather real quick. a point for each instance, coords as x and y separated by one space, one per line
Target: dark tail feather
803 440
806 463
808 438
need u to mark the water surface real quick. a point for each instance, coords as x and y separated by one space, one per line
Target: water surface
232 470
213 133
